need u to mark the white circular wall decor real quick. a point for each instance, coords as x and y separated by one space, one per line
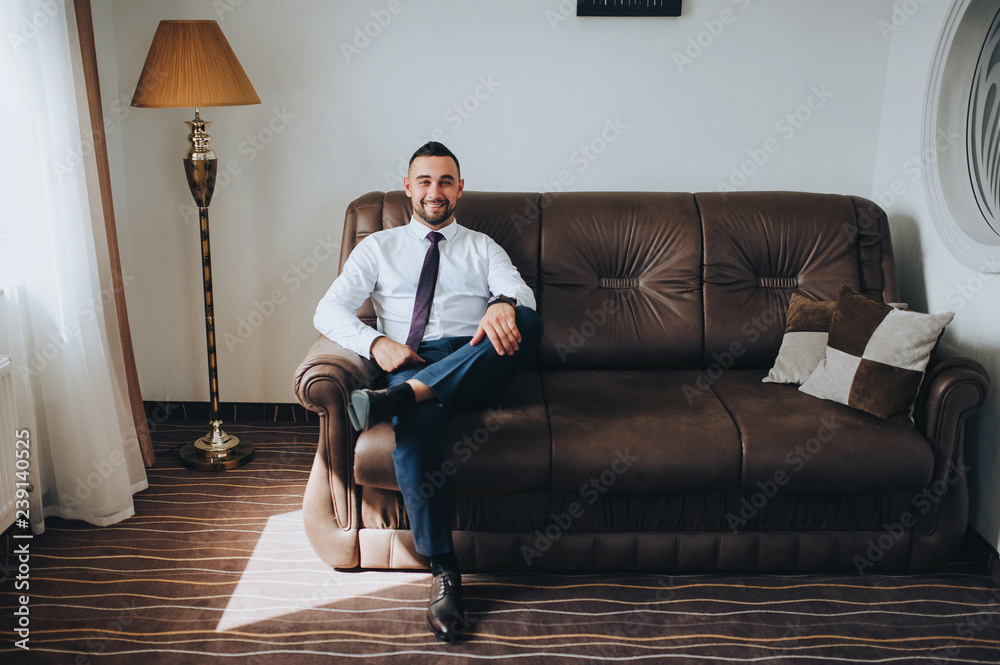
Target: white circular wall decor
983 132
961 134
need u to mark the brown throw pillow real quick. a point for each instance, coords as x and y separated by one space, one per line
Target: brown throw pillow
807 327
876 356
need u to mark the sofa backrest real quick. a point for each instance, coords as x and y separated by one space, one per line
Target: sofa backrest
653 280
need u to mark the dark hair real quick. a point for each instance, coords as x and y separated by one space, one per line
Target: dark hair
435 149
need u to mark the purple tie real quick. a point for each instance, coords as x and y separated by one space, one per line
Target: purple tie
425 292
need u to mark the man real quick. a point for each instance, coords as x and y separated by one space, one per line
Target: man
455 322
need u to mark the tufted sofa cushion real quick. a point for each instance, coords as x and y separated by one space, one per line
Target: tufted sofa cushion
774 244
629 296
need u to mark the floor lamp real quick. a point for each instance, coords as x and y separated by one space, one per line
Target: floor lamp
190 65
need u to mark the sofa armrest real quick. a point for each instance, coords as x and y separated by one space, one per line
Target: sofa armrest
955 386
328 361
323 383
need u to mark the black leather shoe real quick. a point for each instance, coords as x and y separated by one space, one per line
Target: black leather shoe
370 407
446 616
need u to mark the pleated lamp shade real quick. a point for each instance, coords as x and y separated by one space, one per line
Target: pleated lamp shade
190 64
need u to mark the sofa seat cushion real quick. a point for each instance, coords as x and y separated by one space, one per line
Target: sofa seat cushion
501 450
636 433
808 445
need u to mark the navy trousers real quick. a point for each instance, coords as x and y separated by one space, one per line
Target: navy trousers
462 377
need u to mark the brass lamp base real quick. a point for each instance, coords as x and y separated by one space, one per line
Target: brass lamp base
216 451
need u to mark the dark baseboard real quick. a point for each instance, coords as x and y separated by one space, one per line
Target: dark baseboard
229 412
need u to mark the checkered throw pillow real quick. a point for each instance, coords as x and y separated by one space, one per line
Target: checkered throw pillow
876 356
803 347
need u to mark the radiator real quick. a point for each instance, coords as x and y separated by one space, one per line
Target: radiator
7 439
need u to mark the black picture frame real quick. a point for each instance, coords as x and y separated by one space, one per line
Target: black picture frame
628 7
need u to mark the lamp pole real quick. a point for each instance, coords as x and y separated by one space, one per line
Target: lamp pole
216 451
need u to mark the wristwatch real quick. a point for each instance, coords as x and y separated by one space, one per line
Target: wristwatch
502 298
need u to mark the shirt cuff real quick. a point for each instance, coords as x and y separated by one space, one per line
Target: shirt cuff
365 341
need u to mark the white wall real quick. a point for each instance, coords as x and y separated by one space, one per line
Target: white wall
930 277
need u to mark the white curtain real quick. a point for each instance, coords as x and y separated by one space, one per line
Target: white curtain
59 311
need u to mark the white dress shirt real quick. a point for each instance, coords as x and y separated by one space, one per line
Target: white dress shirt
386 266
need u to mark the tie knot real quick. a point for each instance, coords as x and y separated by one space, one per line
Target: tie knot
434 237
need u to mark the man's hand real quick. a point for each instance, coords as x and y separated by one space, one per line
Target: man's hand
498 324
391 355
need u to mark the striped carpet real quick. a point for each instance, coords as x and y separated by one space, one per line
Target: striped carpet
216 569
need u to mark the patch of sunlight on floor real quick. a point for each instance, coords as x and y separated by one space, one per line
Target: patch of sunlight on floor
284 576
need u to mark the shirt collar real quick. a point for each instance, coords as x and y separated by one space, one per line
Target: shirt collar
421 231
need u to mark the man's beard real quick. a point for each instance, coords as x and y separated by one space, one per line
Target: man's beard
434 218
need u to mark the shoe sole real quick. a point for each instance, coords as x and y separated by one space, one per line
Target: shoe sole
357 411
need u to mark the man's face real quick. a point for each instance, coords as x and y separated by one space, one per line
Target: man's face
434 189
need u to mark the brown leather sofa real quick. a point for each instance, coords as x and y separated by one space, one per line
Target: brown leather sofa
642 438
